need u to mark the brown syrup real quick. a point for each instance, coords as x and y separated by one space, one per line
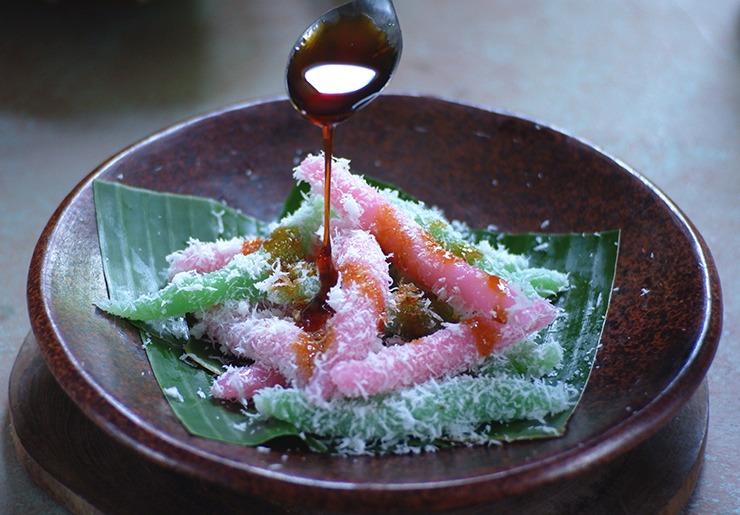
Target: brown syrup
485 334
317 312
334 71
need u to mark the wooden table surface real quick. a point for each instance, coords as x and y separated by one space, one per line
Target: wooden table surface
655 83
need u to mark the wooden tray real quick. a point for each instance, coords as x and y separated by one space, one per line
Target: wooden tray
89 472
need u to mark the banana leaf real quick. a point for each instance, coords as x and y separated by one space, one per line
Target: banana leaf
139 228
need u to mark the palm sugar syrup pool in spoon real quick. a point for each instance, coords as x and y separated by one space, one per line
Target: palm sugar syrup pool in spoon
339 65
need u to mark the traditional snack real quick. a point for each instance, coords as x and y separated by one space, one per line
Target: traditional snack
418 323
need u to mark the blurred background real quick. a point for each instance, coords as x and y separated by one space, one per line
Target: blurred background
655 83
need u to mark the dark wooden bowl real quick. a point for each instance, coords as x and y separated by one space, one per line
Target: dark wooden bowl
483 167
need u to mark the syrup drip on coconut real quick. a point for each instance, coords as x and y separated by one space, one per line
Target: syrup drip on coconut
339 65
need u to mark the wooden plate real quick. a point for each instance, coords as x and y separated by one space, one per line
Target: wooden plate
486 168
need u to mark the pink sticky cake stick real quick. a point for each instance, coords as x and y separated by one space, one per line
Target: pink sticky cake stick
204 257
449 351
269 340
241 383
359 301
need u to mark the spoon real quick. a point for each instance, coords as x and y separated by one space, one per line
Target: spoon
343 60
339 65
